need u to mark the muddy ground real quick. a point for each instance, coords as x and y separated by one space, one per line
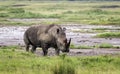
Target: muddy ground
80 34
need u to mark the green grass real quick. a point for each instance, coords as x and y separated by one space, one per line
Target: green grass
72 46
101 45
21 62
105 45
97 30
89 31
109 35
67 12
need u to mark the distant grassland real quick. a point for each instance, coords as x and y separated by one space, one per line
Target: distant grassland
13 60
103 13
109 35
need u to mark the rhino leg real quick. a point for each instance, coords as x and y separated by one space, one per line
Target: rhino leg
27 47
33 49
45 50
57 51
44 47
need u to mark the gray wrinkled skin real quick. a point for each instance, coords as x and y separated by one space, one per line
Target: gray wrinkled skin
46 37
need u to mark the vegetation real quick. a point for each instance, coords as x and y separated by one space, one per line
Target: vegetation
72 46
109 35
90 31
101 45
105 45
103 13
16 61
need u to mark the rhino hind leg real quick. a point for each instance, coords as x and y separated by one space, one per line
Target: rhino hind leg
27 47
27 43
33 49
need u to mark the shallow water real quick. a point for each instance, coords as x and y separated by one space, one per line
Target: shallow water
87 38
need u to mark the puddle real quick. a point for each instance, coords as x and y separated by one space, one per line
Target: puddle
13 35
79 38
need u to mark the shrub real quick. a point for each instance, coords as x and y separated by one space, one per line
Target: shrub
66 66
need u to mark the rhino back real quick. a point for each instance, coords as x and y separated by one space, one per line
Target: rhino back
40 34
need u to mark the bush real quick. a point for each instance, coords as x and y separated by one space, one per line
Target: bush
65 66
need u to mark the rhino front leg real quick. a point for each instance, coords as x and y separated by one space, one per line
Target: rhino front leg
33 49
45 51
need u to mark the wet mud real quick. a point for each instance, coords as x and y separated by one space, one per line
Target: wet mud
83 52
13 35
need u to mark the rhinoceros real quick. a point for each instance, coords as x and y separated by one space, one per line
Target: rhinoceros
46 36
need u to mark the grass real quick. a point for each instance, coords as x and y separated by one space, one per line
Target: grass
101 45
89 31
72 46
97 30
21 62
109 35
100 13
105 45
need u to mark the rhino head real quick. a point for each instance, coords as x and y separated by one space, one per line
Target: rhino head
60 39
62 42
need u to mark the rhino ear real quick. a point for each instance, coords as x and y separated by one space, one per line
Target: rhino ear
64 29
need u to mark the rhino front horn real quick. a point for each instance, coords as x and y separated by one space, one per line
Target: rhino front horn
68 44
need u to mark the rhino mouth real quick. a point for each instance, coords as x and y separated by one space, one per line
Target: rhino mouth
67 46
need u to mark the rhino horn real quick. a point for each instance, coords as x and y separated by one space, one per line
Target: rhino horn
68 44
